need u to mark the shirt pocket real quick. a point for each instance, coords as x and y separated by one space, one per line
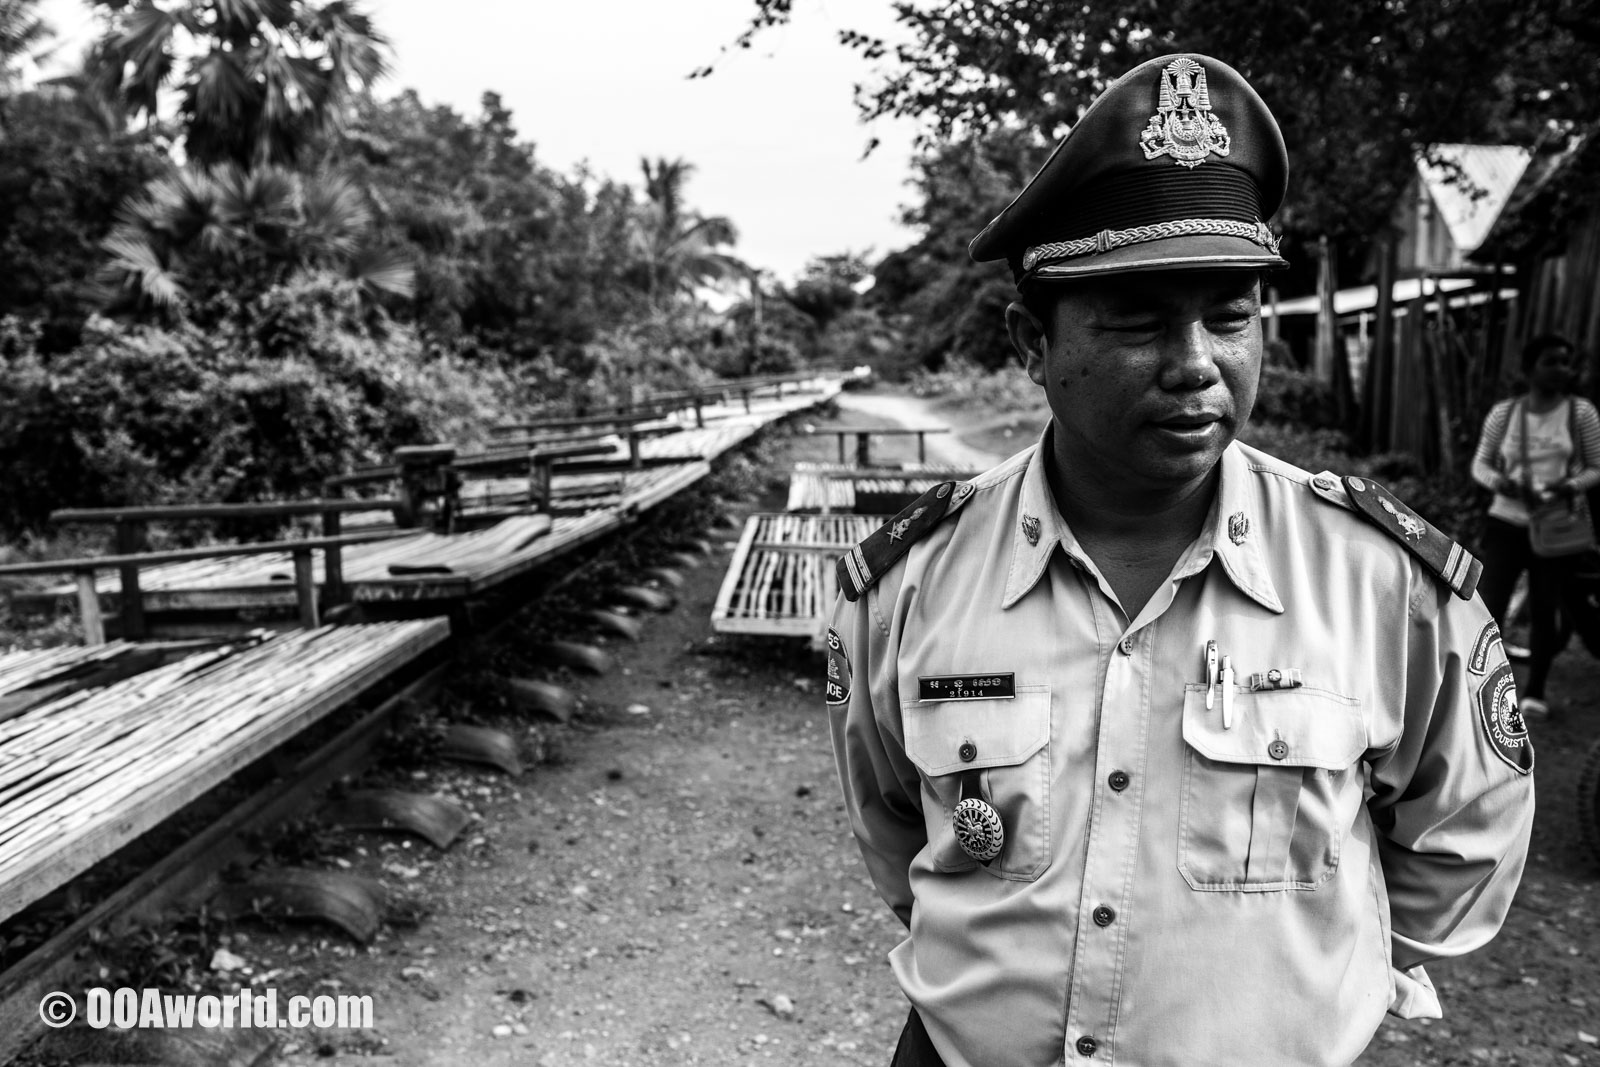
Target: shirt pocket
1265 804
1008 742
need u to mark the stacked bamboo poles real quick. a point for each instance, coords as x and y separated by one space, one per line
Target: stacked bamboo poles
83 775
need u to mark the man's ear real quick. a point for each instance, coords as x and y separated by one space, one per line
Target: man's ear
1028 338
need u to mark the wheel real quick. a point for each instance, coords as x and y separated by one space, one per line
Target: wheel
1589 801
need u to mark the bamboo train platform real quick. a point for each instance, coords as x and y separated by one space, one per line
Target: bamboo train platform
414 568
780 579
86 773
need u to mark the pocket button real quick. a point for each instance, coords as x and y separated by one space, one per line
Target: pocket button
968 752
1278 750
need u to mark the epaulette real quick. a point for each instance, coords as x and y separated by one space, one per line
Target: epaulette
1449 562
861 567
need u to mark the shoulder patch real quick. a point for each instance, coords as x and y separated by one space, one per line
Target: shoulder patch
861 567
1503 725
1451 563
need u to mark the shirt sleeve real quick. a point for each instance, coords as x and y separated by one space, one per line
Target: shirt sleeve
1486 462
1586 473
882 791
1453 798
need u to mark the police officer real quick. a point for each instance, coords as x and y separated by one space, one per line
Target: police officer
1164 750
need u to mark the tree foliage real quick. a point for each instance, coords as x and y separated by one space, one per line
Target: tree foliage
62 180
254 79
1358 87
206 236
680 250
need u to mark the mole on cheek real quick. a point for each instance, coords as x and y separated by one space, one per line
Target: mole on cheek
1084 372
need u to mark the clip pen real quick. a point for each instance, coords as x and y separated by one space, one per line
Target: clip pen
1211 672
1227 693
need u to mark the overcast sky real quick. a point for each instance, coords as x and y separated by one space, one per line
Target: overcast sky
773 134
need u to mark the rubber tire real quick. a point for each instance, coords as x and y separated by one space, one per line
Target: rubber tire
1589 801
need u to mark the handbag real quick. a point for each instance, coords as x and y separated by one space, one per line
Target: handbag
1563 528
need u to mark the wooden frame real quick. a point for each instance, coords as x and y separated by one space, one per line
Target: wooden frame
864 435
83 571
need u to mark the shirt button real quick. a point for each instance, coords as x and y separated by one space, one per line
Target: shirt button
1087 1046
1104 916
1278 750
1126 645
968 752
1118 780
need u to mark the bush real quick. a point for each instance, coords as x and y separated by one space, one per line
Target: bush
1295 397
1451 502
312 385
1006 389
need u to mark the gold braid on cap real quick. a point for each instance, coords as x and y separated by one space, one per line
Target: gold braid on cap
1106 240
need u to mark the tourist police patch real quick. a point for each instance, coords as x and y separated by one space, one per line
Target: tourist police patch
837 686
1502 720
1488 637
1454 565
863 565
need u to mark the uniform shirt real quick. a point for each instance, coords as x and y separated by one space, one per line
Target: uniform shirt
1171 890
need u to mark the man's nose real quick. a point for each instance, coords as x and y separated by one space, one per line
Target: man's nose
1189 361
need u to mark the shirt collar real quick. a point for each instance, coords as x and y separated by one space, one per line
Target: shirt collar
1232 533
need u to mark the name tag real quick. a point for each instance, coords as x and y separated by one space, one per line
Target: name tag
967 686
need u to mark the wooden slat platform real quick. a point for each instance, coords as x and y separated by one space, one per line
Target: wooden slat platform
82 776
781 580
415 566
420 566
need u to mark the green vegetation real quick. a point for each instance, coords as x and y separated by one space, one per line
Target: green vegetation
235 271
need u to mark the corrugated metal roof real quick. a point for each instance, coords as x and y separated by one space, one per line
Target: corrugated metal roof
1492 170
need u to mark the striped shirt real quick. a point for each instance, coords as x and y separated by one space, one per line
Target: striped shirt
1551 451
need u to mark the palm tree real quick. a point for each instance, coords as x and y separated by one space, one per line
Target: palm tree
254 78
22 32
680 250
199 227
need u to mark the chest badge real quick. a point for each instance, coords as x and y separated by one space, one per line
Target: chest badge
979 831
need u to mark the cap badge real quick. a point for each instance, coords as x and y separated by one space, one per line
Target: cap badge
1183 126
1412 527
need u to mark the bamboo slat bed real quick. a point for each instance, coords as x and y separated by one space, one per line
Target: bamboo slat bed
780 580
83 775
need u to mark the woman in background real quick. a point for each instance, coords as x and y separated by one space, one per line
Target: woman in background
1558 460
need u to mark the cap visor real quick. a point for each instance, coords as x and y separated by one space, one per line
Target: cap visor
1193 252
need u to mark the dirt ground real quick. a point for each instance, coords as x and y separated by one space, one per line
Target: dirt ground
678 884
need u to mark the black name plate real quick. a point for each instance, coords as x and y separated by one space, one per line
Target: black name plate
967 686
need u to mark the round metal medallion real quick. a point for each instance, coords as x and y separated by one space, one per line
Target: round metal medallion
979 830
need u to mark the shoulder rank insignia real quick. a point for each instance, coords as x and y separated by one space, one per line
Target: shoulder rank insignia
1454 565
863 565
